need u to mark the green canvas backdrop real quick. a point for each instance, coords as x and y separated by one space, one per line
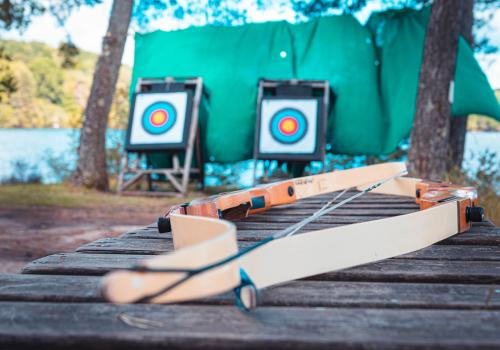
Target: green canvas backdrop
373 71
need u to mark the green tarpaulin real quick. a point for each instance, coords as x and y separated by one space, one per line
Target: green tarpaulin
373 71
399 38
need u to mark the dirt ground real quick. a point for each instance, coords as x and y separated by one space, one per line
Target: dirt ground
30 233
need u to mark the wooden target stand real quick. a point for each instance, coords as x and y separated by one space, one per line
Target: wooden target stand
293 89
178 175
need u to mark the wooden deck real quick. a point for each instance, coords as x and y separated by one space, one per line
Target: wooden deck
445 296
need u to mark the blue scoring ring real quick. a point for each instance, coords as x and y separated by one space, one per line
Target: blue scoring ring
279 116
157 130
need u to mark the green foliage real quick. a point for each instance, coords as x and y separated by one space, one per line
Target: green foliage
481 123
17 14
216 12
23 173
48 78
52 91
8 83
69 54
313 8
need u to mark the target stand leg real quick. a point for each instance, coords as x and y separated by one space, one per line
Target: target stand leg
123 169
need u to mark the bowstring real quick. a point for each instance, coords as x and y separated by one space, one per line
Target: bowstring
289 231
328 208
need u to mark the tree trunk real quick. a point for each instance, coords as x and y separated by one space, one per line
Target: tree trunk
91 168
430 136
459 123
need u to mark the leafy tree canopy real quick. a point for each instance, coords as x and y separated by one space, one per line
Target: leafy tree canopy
235 12
8 83
38 91
17 14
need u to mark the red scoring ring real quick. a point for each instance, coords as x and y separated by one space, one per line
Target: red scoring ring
286 119
165 119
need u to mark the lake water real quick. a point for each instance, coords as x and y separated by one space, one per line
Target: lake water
37 148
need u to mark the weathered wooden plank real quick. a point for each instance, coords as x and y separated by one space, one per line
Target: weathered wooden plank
381 199
421 271
476 236
456 252
407 270
155 246
82 264
485 223
54 288
326 219
305 208
273 225
342 211
105 326
131 246
50 288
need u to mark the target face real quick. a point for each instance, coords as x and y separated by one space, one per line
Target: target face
288 128
159 120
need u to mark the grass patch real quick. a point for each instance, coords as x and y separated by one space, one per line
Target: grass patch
67 196
491 203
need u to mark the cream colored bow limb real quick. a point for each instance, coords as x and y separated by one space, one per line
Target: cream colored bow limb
204 241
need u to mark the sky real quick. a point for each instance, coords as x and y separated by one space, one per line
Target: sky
87 25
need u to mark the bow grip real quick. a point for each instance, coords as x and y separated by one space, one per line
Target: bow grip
259 199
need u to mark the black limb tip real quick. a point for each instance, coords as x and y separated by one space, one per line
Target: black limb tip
475 214
164 225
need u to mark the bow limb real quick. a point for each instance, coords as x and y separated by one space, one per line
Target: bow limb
342 247
214 241
314 185
403 186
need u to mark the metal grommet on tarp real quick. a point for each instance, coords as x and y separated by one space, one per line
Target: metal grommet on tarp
247 294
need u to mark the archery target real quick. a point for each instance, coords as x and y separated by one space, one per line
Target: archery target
288 126
158 119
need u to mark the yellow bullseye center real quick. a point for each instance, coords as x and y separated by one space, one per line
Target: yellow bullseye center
158 117
288 126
